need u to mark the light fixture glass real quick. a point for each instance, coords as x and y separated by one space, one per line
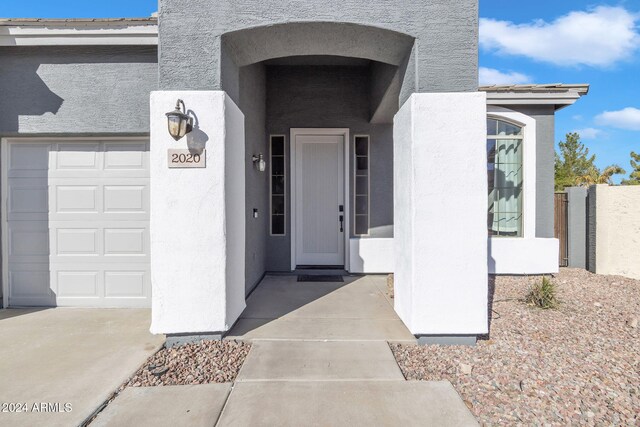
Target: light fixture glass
178 121
258 160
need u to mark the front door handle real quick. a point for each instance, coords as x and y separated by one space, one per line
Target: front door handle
341 218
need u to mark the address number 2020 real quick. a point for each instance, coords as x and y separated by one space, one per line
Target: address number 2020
186 159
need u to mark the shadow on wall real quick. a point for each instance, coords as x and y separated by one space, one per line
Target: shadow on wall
197 138
491 262
24 94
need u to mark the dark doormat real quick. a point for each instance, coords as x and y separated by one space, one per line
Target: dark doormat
319 278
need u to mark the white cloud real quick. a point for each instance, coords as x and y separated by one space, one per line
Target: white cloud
577 117
599 37
627 118
491 76
590 133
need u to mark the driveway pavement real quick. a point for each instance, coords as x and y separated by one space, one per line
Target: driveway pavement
66 356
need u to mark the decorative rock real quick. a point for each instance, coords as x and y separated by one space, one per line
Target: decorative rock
466 369
571 366
198 363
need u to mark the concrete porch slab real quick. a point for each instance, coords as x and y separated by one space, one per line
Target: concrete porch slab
188 405
345 403
321 329
69 355
283 309
319 361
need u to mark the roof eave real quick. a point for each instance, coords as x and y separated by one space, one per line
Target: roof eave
558 95
69 32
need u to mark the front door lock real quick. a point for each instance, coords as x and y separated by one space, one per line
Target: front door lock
341 218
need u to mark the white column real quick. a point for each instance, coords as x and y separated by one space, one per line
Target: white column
440 214
197 218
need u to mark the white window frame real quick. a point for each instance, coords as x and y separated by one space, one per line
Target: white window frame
529 183
355 173
284 156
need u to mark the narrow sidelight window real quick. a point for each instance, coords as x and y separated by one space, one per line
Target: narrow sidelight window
361 186
504 173
277 185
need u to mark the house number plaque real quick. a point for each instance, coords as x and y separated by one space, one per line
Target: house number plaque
186 159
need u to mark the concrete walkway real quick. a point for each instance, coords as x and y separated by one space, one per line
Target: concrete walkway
68 356
319 357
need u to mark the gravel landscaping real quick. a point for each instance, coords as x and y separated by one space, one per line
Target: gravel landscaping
199 363
578 364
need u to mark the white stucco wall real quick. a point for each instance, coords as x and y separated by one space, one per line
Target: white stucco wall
440 230
616 228
371 255
197 218
523 256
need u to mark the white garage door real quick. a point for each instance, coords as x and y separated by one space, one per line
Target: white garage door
77 223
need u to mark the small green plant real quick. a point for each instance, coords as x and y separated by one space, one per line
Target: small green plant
543 294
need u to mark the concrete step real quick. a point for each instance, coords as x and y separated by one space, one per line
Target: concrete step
319 361
345 403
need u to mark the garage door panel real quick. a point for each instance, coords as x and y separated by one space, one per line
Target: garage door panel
28 160
77 241
28 242
121 156
75 198
74 284
29 285
119 284
79 235
125 241
78 156
28 199
124 198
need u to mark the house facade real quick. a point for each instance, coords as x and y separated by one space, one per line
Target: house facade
340 134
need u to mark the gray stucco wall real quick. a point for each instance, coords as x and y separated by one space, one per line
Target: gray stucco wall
544 116
76 90
443 58
577 224
252 86
330 97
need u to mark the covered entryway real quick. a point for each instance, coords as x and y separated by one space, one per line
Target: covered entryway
76 217
318 188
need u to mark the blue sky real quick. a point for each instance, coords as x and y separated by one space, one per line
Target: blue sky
568 41
573 41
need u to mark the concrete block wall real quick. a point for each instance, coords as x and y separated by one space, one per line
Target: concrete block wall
577 224
614 230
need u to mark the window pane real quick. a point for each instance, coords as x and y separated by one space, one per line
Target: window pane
277 185
492 127
362 163
277 145
277 165
509 151
362 205
362 146
362 224
491 150
277 205
505 128
277 224
362 185
504 179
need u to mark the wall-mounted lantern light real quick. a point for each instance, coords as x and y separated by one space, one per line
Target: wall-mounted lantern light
179 121
259 162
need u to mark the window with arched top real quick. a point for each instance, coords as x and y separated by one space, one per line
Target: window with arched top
505 178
